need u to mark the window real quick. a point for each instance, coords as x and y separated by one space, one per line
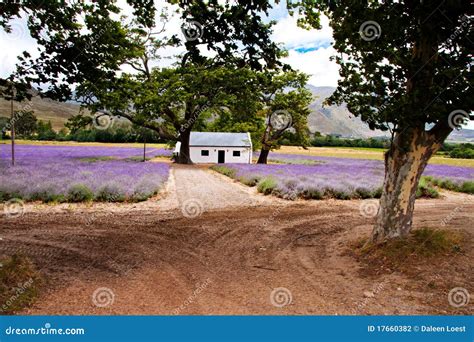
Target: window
205 153
236 153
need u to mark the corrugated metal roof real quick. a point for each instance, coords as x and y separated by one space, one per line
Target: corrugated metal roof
220 139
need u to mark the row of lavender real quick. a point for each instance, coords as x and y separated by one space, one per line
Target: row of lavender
75 174
344 178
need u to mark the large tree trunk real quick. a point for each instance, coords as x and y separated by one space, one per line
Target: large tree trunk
263 157
405 162
184 155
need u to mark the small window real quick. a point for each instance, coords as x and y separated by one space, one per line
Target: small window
205 153
236 153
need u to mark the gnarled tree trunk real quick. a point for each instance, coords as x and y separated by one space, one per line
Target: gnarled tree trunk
405 162
263 157
184 155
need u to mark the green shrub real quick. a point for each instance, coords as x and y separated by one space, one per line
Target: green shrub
227 171
312 193
46 194
266 185
19 284
364 193
250 180
80 193
426 189
110 193
468 187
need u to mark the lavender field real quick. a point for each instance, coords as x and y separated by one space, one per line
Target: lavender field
80 173
294 176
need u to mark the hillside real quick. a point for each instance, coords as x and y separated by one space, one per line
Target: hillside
45 109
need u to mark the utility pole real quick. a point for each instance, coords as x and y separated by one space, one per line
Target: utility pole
144 147
12 127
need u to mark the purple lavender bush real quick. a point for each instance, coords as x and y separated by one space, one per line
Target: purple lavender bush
80 173
341 178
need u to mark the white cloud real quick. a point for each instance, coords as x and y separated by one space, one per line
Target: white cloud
292 36
322 71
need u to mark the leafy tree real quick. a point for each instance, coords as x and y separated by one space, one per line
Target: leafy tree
285 101
234 30
406 66
26 123
45 131
78 41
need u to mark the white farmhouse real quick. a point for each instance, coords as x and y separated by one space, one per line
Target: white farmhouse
217 147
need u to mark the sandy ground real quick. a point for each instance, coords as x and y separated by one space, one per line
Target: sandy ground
208 245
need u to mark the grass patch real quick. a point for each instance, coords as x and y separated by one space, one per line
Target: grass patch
266 185
96 159
80 193
227 171
402 253
19 284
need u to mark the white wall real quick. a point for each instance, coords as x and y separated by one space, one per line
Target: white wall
245 154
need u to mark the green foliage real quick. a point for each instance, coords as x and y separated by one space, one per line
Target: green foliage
78 41
224 170
79 193
420 244
110 193
426 189
45 131
465 151
267 185
467 187
19 283
322 141
26 123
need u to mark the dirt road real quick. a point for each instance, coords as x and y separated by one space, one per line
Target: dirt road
256 258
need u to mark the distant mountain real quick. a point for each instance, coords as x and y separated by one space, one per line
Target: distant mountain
45 109
337 120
